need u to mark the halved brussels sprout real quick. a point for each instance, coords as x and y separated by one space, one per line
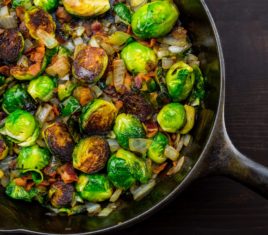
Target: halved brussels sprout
21 127
180 81
154 19
85 8
22 3
65 90
42 88
190 119
138 105
94 188
127 126
15 98
33 158
123 12
47 5
61 194
171 117
91 154
69 106
20 193
125 168
139 58
157 148
59 141
90 64
41 26
37 64
98 117
3 149
11 46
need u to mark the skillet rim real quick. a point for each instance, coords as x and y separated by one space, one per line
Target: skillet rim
194 172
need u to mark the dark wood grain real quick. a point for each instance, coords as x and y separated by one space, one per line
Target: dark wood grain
218 205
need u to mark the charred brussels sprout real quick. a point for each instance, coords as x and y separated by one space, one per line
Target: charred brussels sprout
157 148
47 5
127 126
20 193
139 58
41 26
59 141
37 64
3 149
171 117
90 64
125 168
180 80
91 154
94 188
21 127
98 117
123 12
41 88
154 19
11 46
22 3
137 105
61 194
33 158
85 8
15 98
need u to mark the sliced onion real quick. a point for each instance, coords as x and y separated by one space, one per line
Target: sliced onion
192 60
167 62
179 143
108 210
48 39
60 67
78 41
97 91
93 42
8 22
43 112
23 61
143 190
93 208
65 78
113 144
79 31
176 49
162 52
171 153
4 11
175 169
27 44
116 195
187 140
169 40
139 145
119 72
69 45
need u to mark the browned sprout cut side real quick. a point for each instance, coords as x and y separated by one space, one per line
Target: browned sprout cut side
91 154
59 141
90 64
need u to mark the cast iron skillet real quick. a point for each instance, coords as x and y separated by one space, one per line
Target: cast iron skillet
211 151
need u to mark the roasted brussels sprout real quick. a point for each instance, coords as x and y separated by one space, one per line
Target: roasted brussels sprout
37 64
127 126
154 19
139 58
65 90
171 117
85 8
180 80
33 158
22 3
11 46
3 149
61 194
90 64
18 192
98 117
59 141
47 5
21 127
137 105
91 154
125 168
15 98
157 148
41 26
123 12
69 106
42 88
190 119
94 188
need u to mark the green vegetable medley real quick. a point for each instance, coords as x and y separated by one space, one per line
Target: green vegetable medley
98 99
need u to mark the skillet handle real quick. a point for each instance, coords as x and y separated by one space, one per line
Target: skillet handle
225 159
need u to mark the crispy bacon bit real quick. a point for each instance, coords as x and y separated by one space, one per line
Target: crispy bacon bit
87 27
29 185
67 173
55 110
6 2
21 181
151 129
96 26
5 70
25 32
63 15
50 171
83 95
20 11
158 168
44 183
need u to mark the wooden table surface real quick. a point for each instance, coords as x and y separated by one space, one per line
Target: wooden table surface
218 205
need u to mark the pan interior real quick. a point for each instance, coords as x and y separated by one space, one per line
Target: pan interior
19 215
